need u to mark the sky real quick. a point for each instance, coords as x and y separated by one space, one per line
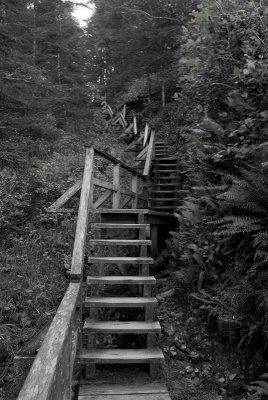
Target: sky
82 13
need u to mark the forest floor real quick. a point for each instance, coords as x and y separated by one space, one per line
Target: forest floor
198 366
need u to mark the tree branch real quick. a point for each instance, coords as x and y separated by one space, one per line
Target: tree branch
149 15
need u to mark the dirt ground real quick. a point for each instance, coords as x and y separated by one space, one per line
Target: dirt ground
197 366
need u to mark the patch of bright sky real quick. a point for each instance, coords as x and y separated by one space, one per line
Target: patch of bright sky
82 14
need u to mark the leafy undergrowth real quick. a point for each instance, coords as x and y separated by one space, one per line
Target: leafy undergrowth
32 282
200 364
35 246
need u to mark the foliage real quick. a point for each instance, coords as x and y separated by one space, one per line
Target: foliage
222 79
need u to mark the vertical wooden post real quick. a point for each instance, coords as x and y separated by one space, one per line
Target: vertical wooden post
116 184
134 188
135 125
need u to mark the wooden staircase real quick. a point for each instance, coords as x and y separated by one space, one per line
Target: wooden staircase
165 177
112 295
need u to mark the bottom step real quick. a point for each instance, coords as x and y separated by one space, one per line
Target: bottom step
150 391
119 356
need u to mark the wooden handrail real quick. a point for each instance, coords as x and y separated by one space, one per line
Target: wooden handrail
50 376
116 161
150 153
86 201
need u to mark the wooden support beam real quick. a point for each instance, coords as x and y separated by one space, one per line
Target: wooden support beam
116 184
105 196
146 134
149 157
135 125
134 187
65 197
142 153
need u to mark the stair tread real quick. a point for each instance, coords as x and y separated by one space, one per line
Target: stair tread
125 356
121 301
166 184
163 191
149 280
141 327
120 242
165 170
124 260
164 198
156 166
119 226
164 207
123 389
168 159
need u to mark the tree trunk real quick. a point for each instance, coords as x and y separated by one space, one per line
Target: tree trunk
34 33
149 87
163 94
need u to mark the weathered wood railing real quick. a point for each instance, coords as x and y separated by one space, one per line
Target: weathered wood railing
50 377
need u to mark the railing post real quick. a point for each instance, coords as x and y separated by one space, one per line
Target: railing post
135 125
134 188
116 184
82 220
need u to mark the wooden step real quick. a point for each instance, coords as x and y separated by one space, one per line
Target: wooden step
119 356
164 165
166 178
120 302
120 260
119 242
118 280
164 199
102 225
123 389
116 327
167 184
166 171
167 159
163 191
164 207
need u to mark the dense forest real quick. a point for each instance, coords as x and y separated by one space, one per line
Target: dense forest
214 56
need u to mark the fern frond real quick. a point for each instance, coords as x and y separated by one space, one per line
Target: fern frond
232 225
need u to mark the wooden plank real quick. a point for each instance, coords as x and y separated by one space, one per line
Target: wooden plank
122 302
154 396
142 153
118 327
65 197
146 134
82 220
119 242
105 196
116 184
148 388
135 280
102 225
134 187
50 376
120 260
119 356
125 202
135 125
103 184
149 157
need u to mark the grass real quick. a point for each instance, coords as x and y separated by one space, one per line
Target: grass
32 282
